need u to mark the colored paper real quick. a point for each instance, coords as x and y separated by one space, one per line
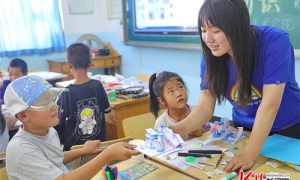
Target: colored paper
282 148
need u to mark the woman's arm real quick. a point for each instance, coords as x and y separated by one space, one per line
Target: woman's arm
200 114
265 116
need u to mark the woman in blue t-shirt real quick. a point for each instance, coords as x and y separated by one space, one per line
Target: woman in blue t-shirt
253 68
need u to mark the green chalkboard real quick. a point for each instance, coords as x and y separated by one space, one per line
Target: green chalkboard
284 14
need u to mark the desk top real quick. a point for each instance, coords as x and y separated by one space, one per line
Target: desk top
279 168
161 173
207 172
49 76
125 102
118 102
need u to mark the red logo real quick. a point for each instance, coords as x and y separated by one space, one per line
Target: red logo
250 174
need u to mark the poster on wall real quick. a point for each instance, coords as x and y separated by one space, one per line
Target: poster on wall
81 7
114 9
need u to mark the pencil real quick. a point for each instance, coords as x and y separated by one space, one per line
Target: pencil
206 151
219 160
194 155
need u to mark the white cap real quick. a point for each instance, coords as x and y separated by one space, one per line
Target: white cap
26 91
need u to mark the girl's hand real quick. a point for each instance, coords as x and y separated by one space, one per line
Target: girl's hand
243 161
180 129
91 147
199 132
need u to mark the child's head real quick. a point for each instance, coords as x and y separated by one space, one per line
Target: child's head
79 56
166 89
33 101
17 68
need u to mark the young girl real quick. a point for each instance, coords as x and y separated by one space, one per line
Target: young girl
167 90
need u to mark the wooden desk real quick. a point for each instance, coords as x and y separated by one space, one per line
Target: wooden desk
165 172
109 63
282 169
60 67
161 173
51 77
204 172
122 109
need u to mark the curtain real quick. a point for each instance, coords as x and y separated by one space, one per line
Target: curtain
29 27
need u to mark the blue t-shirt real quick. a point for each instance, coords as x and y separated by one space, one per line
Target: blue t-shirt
275 64
2 90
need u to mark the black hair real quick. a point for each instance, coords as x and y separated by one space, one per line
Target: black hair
157 82
232 17
2 122
78 55
19 63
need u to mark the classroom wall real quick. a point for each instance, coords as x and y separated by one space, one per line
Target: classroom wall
135 60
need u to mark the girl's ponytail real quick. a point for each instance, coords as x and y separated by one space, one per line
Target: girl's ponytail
154 104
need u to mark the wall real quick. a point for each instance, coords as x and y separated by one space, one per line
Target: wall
135 60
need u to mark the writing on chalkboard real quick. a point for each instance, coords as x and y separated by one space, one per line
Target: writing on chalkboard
283 14
271 5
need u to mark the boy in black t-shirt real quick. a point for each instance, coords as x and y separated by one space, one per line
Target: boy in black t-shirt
85 105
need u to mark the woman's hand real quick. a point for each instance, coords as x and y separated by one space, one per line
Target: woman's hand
263 123
243 161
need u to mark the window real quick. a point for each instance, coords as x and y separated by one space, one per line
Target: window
30 27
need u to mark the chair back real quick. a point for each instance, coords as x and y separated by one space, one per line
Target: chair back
135 126
3 174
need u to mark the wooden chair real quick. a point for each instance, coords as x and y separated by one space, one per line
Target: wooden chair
135 126
3 174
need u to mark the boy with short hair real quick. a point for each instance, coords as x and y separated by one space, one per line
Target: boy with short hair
35 151
84 107
17 68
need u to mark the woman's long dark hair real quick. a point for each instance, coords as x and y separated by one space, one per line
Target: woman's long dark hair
232 17
157 82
